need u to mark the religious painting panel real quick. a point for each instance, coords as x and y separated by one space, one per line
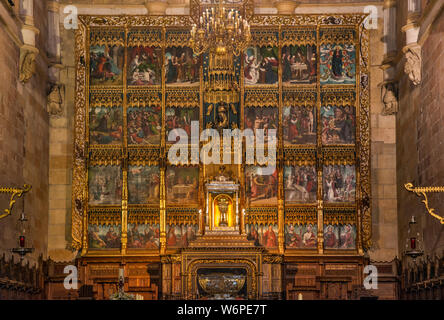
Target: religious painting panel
143 184
300 184
331 236
261 186
261 65
338 63
261 118
347 233
299 125
182 185
299 64
104 236
105 185
105 125
143 236
338 124
339 183
180 235
106 65
144 66
182 66
144 125
262 234
301 236
180 118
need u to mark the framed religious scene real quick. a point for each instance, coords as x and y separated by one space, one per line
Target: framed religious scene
143 184
261 189
300 184
182 184
261 118
181 235
105 185
180 118
182 66
299 125
301 236
144 66
299 64
105 125
144 125
338 125
347 236
104 236
261 65
106 65
143 236
338 64
263 235
331 236
339 183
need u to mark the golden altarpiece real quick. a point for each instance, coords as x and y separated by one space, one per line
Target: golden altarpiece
188 229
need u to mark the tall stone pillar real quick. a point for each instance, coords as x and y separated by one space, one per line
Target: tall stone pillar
389 88
28 52
412 50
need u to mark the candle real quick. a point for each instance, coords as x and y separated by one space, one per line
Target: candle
22 241
413 243
300 296
121 273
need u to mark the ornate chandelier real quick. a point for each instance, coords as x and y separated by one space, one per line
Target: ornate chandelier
220 30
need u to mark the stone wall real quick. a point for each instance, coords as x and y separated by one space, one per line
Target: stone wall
420 142
24 132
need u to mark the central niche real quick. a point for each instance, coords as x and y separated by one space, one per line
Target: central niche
222 283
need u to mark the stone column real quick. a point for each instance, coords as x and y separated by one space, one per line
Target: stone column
286 6
412 50
28 51
156 7
53 43
389 88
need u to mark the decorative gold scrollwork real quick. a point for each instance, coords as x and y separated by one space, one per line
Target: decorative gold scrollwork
15 193
422 191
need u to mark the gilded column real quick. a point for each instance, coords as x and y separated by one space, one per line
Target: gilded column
280 160
163 161
124 237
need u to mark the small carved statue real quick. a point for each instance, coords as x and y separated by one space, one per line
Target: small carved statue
412 66
27 65
54 101
389 98
222 115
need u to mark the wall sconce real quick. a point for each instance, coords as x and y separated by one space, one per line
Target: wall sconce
423 191
15 193
23 231
414 245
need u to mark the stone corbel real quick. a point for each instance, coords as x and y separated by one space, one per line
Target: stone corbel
413 63
28 55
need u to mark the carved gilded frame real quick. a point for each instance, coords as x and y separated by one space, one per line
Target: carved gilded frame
318 155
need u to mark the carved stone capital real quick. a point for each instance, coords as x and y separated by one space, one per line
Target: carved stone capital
156 8
286 6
